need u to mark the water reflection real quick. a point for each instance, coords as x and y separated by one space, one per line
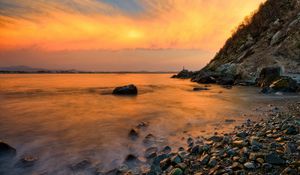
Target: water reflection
64 119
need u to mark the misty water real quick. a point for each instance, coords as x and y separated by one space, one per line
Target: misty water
64 119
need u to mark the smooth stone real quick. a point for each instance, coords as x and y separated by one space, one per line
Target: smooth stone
81 165
249 165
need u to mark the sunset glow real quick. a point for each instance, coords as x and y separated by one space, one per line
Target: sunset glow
52 26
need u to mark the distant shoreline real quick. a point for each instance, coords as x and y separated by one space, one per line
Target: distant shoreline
19 72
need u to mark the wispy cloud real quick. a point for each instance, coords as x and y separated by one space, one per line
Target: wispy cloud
114 24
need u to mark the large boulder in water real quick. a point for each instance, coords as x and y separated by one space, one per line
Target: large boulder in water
268 75
6 149
126 90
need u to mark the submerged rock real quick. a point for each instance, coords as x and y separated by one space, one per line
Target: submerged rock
126 90
133 134
6 149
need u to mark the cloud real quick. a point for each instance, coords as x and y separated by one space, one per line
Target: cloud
113 25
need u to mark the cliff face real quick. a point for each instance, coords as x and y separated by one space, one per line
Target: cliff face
271 37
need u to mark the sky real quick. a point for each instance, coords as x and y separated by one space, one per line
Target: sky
117 35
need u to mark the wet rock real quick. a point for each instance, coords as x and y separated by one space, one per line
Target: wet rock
151 152
133 134
200 89
130 158
176 171
230 121
274 159
6 149
126 90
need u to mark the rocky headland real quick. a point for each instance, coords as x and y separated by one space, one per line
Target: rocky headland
264 51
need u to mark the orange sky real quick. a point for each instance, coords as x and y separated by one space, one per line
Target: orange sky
84 26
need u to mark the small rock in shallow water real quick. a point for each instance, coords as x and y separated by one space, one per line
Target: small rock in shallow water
133 134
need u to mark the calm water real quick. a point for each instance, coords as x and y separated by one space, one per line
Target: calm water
64 119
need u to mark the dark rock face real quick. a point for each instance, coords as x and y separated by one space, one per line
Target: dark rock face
126 90
268 75
184 74
204 77
6 150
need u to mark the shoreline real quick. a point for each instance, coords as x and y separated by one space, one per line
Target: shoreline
271 145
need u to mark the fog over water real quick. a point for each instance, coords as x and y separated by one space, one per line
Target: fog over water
64 119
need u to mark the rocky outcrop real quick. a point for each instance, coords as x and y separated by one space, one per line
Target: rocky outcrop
126 90
270 38
184 74
263 51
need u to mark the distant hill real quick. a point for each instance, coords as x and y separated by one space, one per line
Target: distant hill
22 69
